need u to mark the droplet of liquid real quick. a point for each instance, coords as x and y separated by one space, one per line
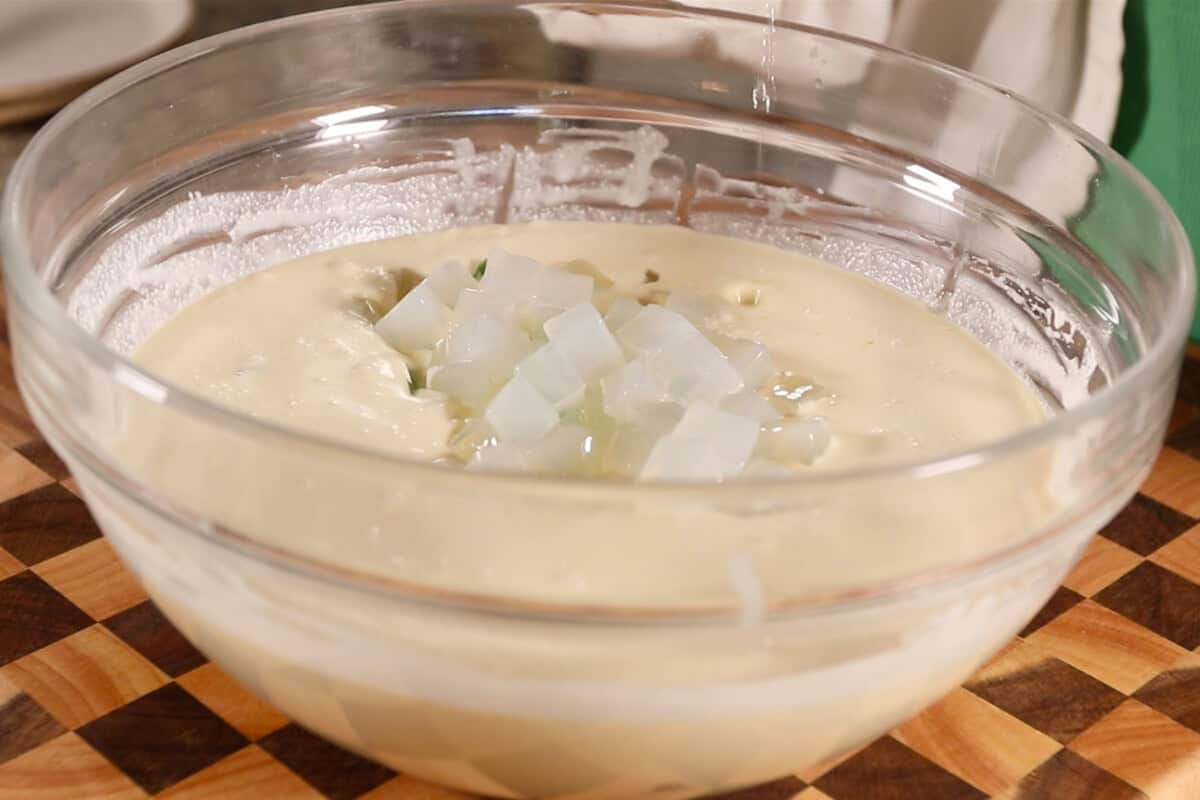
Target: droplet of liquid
742 294
789 392
792 387
747 295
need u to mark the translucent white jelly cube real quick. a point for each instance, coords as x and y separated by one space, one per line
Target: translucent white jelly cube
581 336
448 280
751 404
552 375
681 459
628 389
560 451
589 412
511 275
417 322
563 290
480 303
693 370
476 434
603 299
467 383
531 317
699 311
518 413
627 450
630 443
503 363
482 337
732 438
620 311
750 359
795 441
762 469
659 419
654 328
499 457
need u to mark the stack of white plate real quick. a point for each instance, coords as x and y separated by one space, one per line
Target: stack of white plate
52 50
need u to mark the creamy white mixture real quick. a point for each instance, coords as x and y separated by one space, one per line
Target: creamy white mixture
515 707
294 343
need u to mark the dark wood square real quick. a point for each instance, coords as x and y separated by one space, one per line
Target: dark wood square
336 773
1051 696
33 615
1070 776
44 458
44 523
1061 601
1146 525
146 630
888 770
162 738
1182 415
1175 693
782 789
1189 381
1186 438
1158 599
24 725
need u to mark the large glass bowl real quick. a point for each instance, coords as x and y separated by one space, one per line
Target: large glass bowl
713 661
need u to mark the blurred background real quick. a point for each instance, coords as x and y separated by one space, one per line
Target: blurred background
53 50
1125 70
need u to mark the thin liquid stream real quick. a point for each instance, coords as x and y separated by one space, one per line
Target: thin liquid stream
764 92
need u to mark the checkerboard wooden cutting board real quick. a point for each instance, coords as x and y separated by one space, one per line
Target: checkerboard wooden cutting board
1099 697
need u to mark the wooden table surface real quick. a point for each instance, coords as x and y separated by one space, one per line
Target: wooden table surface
1099 697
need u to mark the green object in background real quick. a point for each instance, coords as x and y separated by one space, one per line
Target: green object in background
1160 104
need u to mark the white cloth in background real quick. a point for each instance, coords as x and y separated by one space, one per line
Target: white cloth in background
1064 55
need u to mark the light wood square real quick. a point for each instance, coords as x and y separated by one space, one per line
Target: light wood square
93 578
251 717
1146 749
18 475
403 787
1175 481
813 793
1015 657
8 690
248 774
1103 562
9 565
84 676
976 741
15 426
65 768
1182 556
1107 646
